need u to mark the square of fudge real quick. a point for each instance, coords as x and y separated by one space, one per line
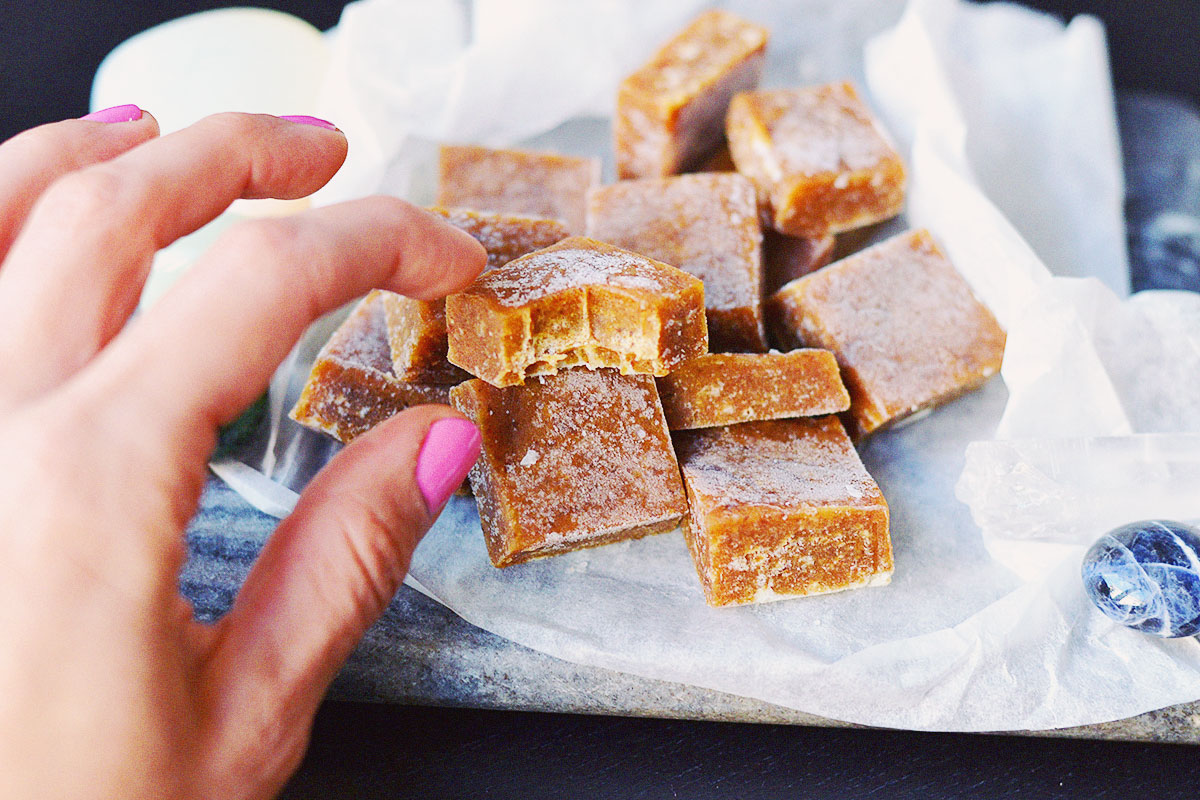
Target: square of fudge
670 113
781 509
539 184
417 328
727 388
578 459
352 387
819 157
702 223
576 303
907 331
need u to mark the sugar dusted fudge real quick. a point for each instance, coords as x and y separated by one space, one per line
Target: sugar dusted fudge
818 155
705 224
906 329
670 113
577 303
517 181
417 328
779 509
727 388
786 258
572 460
352 388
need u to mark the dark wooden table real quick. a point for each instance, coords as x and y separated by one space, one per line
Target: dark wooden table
50 51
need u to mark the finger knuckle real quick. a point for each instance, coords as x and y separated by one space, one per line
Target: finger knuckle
87 195
379 543
233 125
265 241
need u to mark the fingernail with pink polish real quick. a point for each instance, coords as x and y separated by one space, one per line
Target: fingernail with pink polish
303 119
126 113
451 446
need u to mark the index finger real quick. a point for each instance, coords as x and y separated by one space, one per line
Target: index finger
209 347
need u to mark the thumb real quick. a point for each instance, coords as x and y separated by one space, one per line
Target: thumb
332 567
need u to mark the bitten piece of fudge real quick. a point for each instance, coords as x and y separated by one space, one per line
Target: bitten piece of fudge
577 303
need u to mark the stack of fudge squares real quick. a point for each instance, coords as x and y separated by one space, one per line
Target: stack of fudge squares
616 352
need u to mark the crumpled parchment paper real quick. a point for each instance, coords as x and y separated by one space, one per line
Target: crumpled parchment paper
1007 119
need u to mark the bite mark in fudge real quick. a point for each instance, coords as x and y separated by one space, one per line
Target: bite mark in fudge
417 328
517 182
352 388
573 460
577 303
702 223
907 331
819 157
781 509
727 388
670 113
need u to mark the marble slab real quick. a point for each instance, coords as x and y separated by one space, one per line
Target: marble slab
421 653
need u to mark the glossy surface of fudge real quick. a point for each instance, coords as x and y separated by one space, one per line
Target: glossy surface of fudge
727 388
906 329
705 224
417 328
517 182
573 460
818 155
352 388
779 509
577 303
786 258
670 114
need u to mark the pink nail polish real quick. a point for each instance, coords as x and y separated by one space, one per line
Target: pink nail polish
303 119
451 446
126 113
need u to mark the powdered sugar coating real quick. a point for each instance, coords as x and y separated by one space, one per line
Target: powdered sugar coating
813 130
792 464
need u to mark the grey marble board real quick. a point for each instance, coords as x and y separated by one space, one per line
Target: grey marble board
420 652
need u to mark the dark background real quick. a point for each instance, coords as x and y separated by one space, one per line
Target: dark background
50 50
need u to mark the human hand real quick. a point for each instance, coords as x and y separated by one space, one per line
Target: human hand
108 688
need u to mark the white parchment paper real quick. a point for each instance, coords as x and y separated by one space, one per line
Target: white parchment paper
1007 119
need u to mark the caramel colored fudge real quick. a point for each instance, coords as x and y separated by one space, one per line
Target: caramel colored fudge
727 388
417 328
905 327
786 258
818 155
670 113
577 303
705 224
780 509
352 388
573 460
517 182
